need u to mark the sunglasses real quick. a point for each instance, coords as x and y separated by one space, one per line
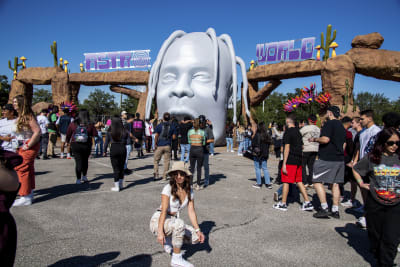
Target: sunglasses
391 143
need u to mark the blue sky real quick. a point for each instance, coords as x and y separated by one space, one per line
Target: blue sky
30 27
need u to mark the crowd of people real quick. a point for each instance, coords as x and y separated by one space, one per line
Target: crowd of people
341 150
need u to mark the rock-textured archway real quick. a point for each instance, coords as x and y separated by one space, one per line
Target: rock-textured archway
65 87
337 74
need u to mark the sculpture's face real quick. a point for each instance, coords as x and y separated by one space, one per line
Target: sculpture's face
187 79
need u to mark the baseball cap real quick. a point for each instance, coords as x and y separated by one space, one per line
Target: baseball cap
123 112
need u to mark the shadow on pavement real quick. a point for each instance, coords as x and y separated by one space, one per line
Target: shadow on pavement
62 190
103 176
206 228
146 167
358 240
41 173
143 260
216 177
138 182
86 260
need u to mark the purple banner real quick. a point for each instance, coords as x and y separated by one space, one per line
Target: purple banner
285 51
117 60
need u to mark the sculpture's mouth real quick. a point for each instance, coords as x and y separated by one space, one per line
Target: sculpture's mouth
180 114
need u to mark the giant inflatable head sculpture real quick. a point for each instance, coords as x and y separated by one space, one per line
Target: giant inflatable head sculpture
195 74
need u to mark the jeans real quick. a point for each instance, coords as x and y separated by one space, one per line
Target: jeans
212 148
229 142
196 156
117 156
206 158
247 143
241 147
258 165
153 145
44 141
185 147
98 141
128 152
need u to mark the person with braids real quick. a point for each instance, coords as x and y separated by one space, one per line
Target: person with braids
382 206
195 74
28 136
170 229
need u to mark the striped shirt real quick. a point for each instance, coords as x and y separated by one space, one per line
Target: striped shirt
196 138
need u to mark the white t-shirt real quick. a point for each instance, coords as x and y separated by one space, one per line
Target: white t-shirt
148 129
8 128
365 136
307 132
43 121
174 205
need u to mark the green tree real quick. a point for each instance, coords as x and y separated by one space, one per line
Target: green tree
379 103
273 109
41 95
4 90
130 104
100 103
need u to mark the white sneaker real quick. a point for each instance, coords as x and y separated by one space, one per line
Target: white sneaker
23 201
239 154
347 204
232 151
84 179
168 245
178 261
116 187
78 181
211 155
362 222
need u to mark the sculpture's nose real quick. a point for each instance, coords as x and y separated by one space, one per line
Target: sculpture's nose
182 88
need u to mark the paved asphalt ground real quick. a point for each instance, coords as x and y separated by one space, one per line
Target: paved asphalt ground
88 225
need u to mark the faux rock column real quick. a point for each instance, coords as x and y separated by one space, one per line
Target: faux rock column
20 88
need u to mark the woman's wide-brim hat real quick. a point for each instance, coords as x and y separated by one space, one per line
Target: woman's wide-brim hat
179 166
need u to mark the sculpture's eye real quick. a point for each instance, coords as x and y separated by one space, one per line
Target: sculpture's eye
201 76
169 78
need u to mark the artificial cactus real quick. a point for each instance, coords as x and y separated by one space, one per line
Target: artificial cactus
328 41
53 49
15 68
346 97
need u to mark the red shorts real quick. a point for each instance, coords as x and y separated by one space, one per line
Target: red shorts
294 174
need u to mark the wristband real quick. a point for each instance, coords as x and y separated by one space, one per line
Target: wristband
197 230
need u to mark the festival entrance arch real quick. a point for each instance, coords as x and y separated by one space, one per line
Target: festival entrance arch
337 74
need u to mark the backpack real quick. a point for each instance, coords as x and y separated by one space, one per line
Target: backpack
81 134
138 125
164 135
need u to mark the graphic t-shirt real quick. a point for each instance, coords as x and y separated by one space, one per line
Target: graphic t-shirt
333 150
138 128
384 178
292 136
365 138
43 122
52 123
